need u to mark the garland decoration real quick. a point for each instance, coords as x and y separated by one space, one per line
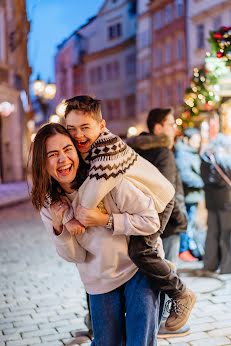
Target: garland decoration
220 41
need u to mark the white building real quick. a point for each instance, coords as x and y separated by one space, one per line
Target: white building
102 60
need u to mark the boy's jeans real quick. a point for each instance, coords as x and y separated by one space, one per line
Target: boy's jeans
140 300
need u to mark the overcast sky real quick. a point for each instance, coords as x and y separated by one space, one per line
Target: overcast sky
52 21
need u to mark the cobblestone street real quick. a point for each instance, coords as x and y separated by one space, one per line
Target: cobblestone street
42 300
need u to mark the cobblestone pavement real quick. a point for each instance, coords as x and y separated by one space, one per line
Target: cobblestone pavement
42 301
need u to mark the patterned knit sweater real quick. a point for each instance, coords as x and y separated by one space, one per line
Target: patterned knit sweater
111 159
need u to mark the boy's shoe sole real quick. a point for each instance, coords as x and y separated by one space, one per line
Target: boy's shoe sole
167 334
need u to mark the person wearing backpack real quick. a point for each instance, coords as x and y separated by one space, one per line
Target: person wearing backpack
216 174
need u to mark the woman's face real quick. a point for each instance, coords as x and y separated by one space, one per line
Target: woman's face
61 160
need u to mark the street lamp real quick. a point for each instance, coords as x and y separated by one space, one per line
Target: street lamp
44 92
6 108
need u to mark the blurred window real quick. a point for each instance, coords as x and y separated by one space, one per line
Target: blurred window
113 109
130 102
157 57
179 48
130 64
168 95
216 23
144 39
168 15
168 52
112 70
114 31
2 36
179 91
99 74
143 101
179 8
200 30
157 20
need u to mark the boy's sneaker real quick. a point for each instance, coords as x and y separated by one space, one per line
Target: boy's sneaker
180 310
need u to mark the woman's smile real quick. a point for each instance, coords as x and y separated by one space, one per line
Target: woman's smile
65 170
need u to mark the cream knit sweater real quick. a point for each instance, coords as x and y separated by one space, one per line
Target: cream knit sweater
111 160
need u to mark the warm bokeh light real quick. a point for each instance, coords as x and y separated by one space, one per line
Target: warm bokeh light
49 91
54 118
60 109
38 87
179 122
32 137
132 131
31 125
6 108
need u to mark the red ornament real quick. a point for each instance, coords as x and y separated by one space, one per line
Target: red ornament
225 28
217 35
219 55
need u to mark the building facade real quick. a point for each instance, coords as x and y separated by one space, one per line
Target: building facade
143 63
204 16
99 59
169 53
14 90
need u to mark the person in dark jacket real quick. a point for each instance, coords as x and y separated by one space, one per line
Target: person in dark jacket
216 173
188 163
155 147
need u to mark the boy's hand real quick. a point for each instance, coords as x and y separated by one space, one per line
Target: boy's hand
91 217
57 211
74 227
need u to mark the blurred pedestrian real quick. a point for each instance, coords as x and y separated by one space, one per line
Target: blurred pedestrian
156 147
188 162
216 173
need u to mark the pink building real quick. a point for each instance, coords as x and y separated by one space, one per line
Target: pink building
169 52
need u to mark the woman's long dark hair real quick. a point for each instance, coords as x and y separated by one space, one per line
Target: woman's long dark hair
45 189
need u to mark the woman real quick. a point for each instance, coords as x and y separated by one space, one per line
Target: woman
112 280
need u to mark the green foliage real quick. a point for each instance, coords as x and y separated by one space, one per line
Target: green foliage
220 42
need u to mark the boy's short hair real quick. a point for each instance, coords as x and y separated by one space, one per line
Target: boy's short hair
157 116
85 104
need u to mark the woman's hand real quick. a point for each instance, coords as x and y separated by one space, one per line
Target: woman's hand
91 217
57 212
74 227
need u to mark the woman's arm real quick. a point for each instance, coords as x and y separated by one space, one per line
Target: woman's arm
67 245
138 215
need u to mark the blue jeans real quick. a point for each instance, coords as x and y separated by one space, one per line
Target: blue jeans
187 239
139 327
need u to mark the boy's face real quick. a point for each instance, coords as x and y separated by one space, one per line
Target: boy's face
84 129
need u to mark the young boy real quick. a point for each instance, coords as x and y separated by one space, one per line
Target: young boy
110 160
